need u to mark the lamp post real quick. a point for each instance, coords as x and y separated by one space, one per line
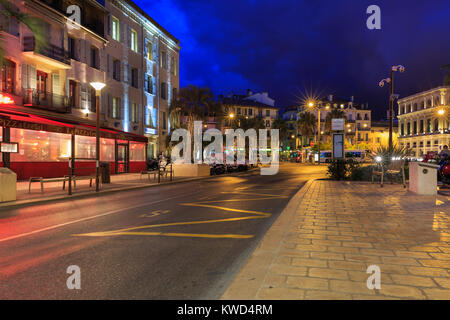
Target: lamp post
390 80
312 105
98 86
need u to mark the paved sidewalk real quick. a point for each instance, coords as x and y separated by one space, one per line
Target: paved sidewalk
331 231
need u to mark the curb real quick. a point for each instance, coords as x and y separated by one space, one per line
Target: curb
23 203
246 285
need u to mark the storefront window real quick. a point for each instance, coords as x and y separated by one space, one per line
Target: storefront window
85 147
107 150
40 146
137 151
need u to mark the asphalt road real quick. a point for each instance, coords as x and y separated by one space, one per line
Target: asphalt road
181 241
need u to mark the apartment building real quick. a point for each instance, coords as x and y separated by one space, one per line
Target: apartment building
46 100
252 105
424 120
358 118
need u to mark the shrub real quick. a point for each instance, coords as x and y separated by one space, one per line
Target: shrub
337 169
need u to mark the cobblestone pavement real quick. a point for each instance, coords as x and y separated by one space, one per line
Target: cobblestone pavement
338 229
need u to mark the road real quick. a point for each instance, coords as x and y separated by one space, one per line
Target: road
180 241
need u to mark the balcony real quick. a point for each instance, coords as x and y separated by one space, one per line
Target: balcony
46 101
50 51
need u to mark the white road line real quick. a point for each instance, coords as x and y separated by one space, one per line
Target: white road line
89 218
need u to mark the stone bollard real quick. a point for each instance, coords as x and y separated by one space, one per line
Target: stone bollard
423 178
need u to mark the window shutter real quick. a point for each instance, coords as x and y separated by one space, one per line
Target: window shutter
55 84
121 109
139 113
24 76
109 106
32 77
108 27
129 36
146 83
146 47
122 32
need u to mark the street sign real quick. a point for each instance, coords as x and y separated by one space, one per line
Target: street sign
337 124
9 147
338 146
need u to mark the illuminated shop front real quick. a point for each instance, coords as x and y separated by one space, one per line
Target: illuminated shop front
45 146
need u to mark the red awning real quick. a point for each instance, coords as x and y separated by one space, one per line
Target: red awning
22 120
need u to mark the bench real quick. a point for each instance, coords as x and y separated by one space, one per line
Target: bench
43 180
395 167
148 173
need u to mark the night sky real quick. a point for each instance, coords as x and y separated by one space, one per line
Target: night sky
292 47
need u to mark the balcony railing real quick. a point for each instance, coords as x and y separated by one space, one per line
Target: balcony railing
46 101
49 50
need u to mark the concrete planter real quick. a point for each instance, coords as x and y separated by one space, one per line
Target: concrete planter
190 170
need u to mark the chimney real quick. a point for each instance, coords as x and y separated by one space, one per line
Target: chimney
352 98
330 97
249 92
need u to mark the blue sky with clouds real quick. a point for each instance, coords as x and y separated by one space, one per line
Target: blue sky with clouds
289 47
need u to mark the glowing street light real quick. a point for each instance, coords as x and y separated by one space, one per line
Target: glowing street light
441 112
231 115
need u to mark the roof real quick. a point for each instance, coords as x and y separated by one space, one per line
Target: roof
240 100
138 9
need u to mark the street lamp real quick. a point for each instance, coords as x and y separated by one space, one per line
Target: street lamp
312 105
390 81
98 86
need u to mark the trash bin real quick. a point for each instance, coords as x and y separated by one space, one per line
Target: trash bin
105 169
423 178
8 182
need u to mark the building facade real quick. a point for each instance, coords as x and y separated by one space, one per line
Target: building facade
358 124
252 105
424 120
47 102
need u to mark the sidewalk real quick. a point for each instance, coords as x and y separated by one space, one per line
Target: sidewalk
331 231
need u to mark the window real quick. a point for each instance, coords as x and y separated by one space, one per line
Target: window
172 65
134 78
436 124
72 48
415 127
421 126
378 140
150 50
250 112
267 113
175 68
238 111
164 125
116 70
408 128
116 108
115 29
7 76
164 90
163 60
260 113
134 40
95 62
428 125
174 93
134 112
402 129
149 83
267 123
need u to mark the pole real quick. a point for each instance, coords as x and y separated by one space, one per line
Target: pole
97 141
318 133
391 109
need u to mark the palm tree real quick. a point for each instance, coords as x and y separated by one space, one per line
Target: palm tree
306 125
192 104
8 11
245 123
333 114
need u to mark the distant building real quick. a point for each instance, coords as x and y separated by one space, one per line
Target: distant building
379 134
424 120
252 105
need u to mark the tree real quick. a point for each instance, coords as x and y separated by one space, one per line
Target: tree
333 114
192 104
306 125
245 123
282 126
8 11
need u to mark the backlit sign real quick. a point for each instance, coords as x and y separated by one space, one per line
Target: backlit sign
9 147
